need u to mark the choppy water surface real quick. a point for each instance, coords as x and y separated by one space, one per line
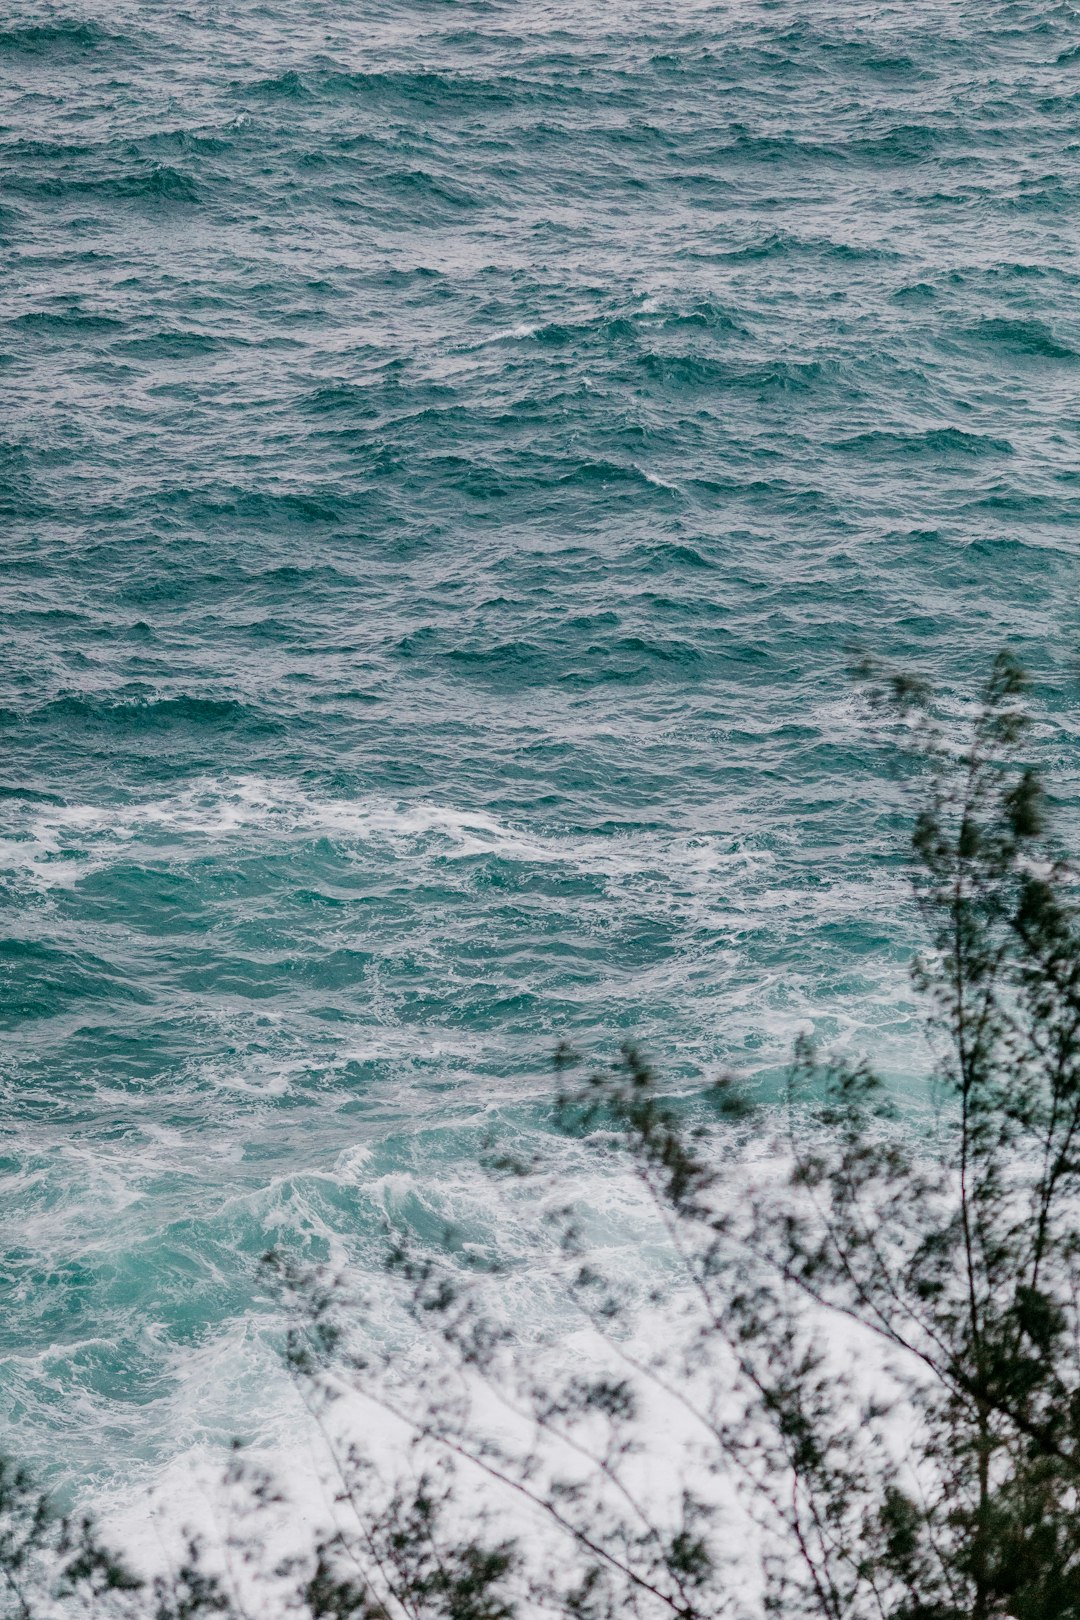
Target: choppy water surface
447 450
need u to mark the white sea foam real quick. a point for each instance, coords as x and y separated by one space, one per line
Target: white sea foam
59 845
550 1337
719 900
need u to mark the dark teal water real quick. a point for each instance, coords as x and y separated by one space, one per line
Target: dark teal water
447 452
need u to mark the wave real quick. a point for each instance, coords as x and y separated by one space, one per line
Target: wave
149 714
938 443
1021 336
175 345
157 185
264 509
425 91
287 86
67 321
69 34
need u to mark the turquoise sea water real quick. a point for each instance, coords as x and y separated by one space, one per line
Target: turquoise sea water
447 451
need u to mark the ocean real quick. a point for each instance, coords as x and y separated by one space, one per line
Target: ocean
449 454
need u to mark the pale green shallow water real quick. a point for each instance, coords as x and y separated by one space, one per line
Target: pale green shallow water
447 450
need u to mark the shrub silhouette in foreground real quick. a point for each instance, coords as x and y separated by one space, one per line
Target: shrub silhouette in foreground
867 1401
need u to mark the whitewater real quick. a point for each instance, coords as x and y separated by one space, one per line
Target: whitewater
450 454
